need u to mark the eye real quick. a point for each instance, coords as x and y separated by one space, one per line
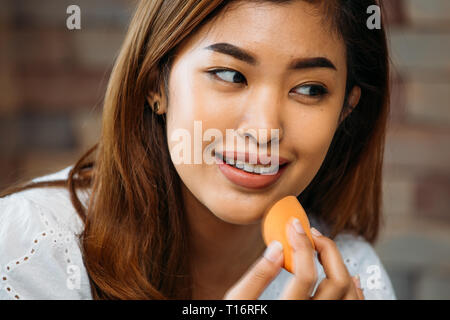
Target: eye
228 75
312 90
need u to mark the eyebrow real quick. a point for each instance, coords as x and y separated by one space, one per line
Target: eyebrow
296 64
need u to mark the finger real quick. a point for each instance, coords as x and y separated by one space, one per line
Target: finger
328 290
352 293
360 294
338 280
256 279
359 291
302 285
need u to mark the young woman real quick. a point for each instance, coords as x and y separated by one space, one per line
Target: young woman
129 222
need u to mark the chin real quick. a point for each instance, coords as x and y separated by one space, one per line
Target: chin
239 216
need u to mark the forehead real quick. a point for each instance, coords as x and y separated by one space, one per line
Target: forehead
272 30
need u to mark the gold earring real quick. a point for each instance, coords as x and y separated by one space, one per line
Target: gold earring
156 106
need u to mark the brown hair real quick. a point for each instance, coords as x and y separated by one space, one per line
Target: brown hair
134 240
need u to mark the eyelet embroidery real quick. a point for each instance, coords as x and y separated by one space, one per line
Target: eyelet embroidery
50 232
26 257
347 246
11 292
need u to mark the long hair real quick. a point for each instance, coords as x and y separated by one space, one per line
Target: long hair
134 241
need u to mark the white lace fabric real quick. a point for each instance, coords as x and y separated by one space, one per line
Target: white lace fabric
40 255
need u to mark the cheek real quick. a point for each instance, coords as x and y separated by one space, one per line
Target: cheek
192 100
316 135
191 112
312 133
317 125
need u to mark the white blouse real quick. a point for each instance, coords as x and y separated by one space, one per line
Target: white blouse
40 256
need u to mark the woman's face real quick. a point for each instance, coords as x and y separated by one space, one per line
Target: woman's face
291 78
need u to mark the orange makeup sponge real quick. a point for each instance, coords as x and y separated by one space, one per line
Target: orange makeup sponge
275 222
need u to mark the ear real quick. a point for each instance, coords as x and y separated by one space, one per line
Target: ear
157 92
153 97
352 101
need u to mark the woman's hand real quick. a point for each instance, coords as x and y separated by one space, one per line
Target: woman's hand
337 285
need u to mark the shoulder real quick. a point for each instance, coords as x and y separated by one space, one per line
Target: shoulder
40 256
45 207
361 258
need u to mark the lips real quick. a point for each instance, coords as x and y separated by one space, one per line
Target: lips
246 179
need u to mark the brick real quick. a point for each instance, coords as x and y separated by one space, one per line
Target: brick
44 13
419 225
433 196
106 13
42 48
45 131
87 128
414 147
419 12
8 172
397 107
395 12
97 49
38 13
9 135
40 162
9 99
5 13
428 102
414 251
434 284
410 256
419 50
8 92
403 281
59 89
398 194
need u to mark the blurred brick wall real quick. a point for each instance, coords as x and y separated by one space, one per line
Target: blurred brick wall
415 245
52 83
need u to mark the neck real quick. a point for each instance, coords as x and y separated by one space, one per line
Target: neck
220 251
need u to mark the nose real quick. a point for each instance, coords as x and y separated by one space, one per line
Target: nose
261 120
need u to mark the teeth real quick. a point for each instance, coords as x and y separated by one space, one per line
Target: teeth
240 164
253 168
259 169
269 170
248 167
230 161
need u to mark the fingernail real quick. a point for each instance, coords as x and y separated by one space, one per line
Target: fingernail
298 226
315 232
357 281
273 251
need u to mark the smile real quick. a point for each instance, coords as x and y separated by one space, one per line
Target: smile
245 174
